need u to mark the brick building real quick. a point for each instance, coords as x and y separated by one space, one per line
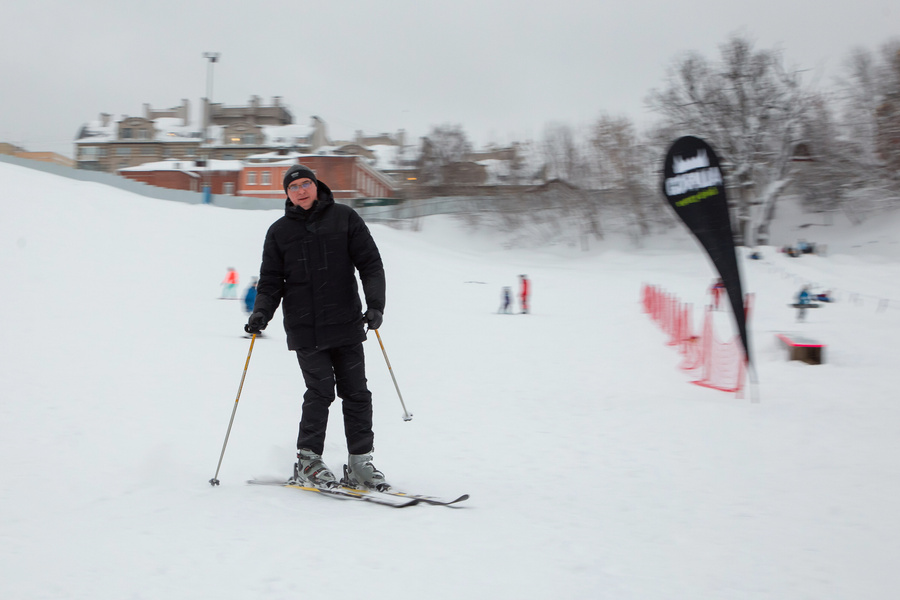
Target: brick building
348 176
223 176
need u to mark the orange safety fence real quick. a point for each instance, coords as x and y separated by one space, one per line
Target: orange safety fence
718 365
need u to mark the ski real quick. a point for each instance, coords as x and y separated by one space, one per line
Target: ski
348 484
434 500
342 493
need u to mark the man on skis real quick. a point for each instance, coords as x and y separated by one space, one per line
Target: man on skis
310 257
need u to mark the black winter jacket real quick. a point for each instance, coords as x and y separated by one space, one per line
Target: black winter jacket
309 262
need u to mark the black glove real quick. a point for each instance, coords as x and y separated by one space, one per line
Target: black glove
256 323
374 318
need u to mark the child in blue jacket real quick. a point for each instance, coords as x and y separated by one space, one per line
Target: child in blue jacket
250 299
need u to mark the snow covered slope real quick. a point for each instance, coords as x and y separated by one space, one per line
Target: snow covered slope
595 468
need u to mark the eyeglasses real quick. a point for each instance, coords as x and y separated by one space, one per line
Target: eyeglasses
296 187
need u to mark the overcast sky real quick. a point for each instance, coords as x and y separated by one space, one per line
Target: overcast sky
502 69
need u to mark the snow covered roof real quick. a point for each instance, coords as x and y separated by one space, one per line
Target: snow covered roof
275 157
385 156
289 158
181 164
167 129
497 170
324 150
284 160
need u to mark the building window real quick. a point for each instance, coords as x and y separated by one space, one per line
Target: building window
148 151
242 138
123 151
265 178
143 134
251 177
229 188
126 133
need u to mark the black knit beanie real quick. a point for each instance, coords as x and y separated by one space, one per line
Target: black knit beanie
298 172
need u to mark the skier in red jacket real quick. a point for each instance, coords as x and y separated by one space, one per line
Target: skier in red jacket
230 283
716 290
523 294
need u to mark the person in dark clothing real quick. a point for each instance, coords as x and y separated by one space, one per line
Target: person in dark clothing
310 258
505 301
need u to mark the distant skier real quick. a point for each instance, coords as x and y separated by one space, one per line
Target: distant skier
229 285
250 299
716 289
524 292
803 300
250 296
505 301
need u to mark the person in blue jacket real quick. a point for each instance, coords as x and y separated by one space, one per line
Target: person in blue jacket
505 300
803 298
250 296
249 300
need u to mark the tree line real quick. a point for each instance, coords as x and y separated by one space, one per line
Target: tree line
836 149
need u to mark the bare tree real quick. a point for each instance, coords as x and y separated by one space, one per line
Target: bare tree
444 146
574 199
888 112
563 155
870 98
749 107
621 167
824 173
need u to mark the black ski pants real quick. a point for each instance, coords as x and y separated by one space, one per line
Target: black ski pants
343 368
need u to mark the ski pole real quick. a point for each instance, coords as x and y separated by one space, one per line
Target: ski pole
215 481
406 415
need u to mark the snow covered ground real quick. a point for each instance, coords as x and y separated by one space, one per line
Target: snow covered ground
595 468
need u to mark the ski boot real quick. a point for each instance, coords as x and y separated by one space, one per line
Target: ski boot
359 472
310 469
